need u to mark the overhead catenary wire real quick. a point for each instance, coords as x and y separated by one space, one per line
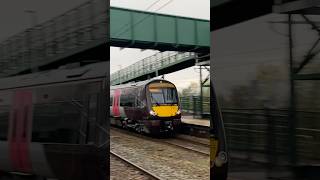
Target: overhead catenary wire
148 8
142 19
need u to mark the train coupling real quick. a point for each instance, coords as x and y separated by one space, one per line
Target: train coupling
167 126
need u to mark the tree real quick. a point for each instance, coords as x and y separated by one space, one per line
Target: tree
191 90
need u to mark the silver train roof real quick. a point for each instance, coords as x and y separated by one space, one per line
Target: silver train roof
137 84
91 71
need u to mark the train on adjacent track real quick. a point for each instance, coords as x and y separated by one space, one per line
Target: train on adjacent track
52 122
150 106
219 159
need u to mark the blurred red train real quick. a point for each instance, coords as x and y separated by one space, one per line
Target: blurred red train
52 122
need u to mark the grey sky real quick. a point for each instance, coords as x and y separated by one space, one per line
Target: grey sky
189 8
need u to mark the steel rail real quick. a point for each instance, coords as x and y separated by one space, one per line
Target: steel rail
136 166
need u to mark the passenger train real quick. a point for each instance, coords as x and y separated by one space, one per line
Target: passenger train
53 124
150 107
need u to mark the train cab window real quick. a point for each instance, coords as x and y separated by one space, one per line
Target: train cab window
4 122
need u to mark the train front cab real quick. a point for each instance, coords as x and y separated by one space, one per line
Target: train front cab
218 147
163 107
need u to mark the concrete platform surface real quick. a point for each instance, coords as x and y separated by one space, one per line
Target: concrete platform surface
199 122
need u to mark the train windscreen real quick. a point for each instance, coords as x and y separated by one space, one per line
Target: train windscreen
163 96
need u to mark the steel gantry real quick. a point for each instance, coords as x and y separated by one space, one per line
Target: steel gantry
301 8
199 104
204 83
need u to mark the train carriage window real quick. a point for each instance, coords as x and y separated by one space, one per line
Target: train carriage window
131 100
139 103
127 100
123 100
57 122
4 122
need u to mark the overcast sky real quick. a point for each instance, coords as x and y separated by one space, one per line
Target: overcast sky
189 8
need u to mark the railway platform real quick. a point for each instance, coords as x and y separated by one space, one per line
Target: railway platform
195 121
195 127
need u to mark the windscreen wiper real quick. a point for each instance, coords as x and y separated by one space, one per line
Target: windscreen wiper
154 100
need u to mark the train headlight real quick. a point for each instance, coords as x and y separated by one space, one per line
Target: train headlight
152 113
178 112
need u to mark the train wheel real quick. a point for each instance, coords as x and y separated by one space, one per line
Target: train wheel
172 134
138 128
124 124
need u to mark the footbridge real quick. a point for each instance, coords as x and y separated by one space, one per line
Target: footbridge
157 65
83 33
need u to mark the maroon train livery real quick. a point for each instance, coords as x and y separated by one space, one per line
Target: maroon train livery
150 107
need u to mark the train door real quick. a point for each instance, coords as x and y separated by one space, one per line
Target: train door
20 131
129 103
111 103
140 104
116 103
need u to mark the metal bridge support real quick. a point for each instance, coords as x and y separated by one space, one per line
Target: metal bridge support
292 107
302 8
296 75
206 67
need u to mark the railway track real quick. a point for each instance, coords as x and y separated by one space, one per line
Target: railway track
183 142
190 146
149 175
171 158
195 140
